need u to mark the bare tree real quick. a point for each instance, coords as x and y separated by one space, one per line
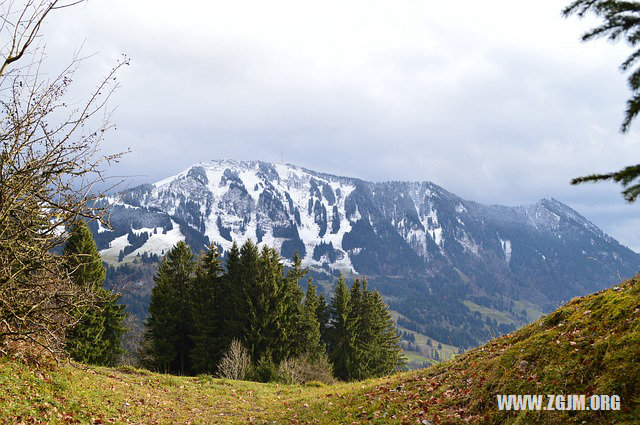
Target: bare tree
235 363
49 164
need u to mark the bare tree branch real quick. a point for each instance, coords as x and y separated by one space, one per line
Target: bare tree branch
50 162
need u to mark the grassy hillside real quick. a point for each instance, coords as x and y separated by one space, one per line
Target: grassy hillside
589 346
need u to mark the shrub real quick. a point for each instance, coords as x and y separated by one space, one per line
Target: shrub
266 371
235 363
306 369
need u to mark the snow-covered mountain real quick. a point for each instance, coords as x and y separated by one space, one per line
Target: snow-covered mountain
542 253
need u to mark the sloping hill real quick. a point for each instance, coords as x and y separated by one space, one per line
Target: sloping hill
589 346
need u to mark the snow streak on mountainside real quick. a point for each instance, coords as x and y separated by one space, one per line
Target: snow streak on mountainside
543 252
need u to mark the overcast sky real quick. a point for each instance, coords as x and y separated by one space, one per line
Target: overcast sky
497 101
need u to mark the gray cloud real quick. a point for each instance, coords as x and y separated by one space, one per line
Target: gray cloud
469 95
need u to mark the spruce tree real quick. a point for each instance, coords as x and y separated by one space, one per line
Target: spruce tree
82 258
620 20
358 357
266 330
207 321
169 325
296 322
113 326
323 317
96 338
248 266
231 306
342 338
310 326
378 339
363 338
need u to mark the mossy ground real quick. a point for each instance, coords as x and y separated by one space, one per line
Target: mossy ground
589 346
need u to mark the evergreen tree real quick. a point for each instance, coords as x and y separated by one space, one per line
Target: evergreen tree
311 338
379 351
364 341
169 326
357 357
113 326
342 338
248 293
267 328
96 338
620 20
207 322
231 306
82 258
323 317
296 322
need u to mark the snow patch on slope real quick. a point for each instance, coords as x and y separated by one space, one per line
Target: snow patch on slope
115 246
506 249
158 243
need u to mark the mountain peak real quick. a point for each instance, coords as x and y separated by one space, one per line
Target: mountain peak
417 236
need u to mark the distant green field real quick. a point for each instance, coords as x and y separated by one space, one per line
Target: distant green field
427 354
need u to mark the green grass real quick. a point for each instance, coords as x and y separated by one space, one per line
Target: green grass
497 315
416 359
78 394
589 346
533 313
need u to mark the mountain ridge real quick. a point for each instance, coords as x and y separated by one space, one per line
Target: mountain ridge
426 249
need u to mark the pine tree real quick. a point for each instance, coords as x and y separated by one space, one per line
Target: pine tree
296 322
342 335
113 326
231 306
82 258
96 338
379 342
266 331
248 267
169 325
620 20
364 341
323 317
357 357
311 338
207 322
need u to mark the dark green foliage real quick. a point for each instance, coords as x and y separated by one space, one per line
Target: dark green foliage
232 306
266 325
342 339
310 327
265 371
256 303
364 339
82 258
169 326
96 338
627 177
323 317
621 20
207 321
378 337
299 325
